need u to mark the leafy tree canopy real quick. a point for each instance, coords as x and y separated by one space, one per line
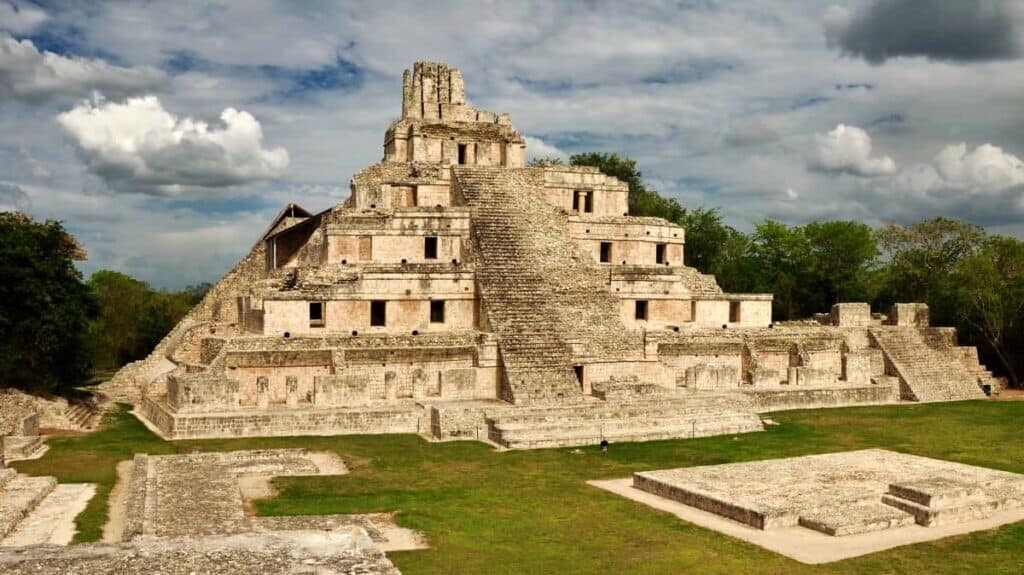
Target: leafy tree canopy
44 306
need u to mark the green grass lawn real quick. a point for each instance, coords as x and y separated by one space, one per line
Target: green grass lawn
532 512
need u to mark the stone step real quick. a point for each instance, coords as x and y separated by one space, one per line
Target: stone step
930 374
966 509
615 424
631 431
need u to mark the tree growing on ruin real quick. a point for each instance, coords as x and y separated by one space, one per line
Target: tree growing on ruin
986 292
44 306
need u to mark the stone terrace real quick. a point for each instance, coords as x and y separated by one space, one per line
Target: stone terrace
841 493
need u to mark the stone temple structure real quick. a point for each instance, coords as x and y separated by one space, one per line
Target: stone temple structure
458 293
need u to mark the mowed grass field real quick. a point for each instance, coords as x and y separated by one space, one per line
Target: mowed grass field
486 512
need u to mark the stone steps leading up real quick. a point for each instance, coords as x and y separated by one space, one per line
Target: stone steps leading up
82 416
925 374
536 293
19 495
588 424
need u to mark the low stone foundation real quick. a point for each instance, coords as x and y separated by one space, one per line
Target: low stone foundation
779 399
285 422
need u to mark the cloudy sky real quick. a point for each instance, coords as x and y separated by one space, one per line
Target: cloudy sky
166 135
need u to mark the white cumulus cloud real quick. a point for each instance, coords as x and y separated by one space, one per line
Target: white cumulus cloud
31 76
538 149
848 149
138 146
987 167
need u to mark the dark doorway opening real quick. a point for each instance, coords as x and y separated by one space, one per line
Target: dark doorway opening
437 311
641 309
378 313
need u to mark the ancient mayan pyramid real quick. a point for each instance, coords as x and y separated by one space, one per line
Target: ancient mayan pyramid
458 293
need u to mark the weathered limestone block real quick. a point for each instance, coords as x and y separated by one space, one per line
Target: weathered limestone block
262 392
851 315
458 383
909 314
857 367
410 108
764 377
457 88
810 376
340 390
203 391
704 376
291 390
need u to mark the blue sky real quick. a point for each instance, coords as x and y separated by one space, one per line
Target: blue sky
166 135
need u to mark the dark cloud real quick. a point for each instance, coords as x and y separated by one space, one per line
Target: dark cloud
956 30
13 198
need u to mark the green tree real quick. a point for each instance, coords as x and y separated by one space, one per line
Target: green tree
133 317
986 292
44 306
843 256
642 201
782 255
922 255
706 239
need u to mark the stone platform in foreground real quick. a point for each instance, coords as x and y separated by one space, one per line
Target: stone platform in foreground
821 508
343 551
841 493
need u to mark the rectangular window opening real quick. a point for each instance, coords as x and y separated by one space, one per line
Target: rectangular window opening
316 314
606 252
578 369
734 312
575 201
659 253
588 202
437 311
430 248
378 313
641 310
462 154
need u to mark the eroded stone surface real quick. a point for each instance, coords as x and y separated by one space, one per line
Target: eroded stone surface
841 493
344 551
52 521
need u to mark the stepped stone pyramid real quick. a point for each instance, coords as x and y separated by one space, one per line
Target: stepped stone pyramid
458 293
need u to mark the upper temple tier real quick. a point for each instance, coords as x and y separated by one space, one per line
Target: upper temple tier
457 293
438 127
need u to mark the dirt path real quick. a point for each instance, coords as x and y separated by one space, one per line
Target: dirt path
117 502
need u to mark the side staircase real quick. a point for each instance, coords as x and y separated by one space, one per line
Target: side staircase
925 373
538 295
19 495
645 420
83 415
946 501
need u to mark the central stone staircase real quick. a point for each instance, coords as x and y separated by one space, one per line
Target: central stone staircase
538 293
925 373
645 420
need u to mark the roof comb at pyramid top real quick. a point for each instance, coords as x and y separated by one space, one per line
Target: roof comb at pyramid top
433 91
